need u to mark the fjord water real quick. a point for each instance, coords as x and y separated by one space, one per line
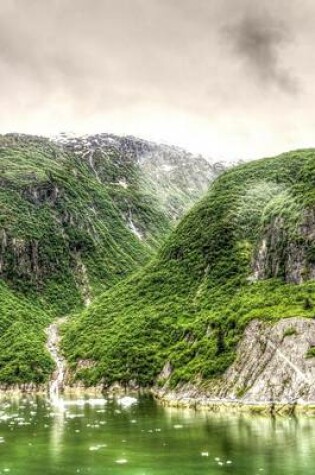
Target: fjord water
107 437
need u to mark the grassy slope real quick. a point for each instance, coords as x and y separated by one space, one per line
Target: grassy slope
190 305
23 357
62 239
52 206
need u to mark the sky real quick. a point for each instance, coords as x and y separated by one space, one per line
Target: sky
230 79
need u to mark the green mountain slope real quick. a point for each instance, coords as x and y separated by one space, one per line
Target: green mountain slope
63 236
71 226
173 176
23 356
245 251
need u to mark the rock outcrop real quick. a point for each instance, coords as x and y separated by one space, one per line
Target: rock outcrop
273 365
278 255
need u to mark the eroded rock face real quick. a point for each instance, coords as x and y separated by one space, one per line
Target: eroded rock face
23 256
272 363
279 256
271 366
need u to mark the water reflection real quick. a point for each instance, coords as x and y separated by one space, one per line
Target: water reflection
57 415
99 436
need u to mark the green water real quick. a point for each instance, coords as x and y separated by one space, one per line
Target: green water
99 437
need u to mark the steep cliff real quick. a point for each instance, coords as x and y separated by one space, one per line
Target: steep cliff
273 364
244 253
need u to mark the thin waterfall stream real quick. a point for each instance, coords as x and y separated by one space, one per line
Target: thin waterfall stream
56 384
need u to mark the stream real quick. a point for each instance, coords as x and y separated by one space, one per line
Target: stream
57 379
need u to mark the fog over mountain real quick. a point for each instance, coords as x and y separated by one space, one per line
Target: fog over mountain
226 78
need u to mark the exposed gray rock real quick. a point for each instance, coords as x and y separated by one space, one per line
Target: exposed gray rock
272 363
271 368
166 371
278 255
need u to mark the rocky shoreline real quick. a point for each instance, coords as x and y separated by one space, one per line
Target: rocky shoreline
179 400
271 375
201 402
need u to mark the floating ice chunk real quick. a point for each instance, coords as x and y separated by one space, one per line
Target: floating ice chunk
5 417
127 401
121 461
204 454
178 426
74 416
84 402
96 402
74 402
97 447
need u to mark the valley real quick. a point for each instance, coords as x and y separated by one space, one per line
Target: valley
76 218
158 293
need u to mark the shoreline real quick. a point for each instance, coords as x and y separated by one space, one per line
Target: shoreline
203 403
175 400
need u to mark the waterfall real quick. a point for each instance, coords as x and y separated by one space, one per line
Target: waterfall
56 384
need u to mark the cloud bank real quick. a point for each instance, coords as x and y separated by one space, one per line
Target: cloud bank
227 78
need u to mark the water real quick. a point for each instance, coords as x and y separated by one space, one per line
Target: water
103 437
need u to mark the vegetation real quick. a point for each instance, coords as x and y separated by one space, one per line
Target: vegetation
190 304
289 332
23 357
311 352
64 233
65 236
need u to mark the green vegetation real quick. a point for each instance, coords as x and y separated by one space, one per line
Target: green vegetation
238 255
289 332
23 357
64 237
311 352
64 233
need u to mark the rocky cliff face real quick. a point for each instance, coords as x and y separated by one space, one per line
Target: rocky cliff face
273 364
280 255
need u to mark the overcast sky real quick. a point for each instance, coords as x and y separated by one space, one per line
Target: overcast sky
227 78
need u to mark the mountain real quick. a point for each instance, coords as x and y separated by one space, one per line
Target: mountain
230 292
78 215
175 177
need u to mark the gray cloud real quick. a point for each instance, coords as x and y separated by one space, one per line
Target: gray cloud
162 69
259 39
